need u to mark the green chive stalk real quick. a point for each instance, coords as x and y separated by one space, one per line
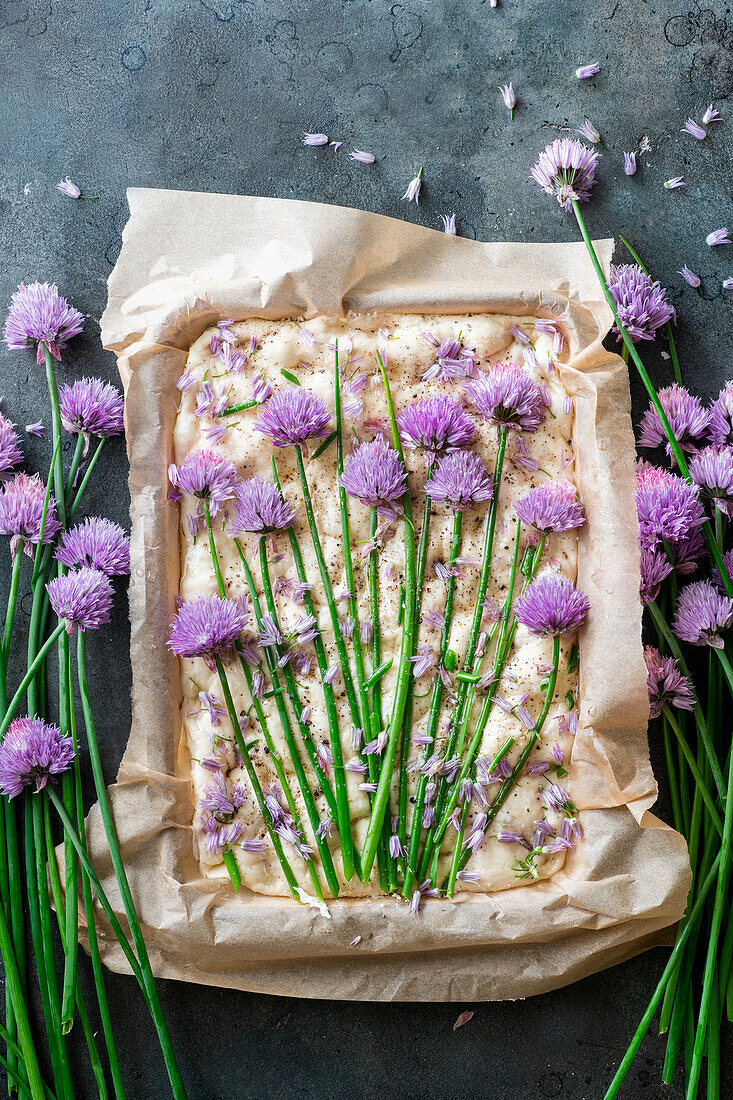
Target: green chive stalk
85 480
434 711
404 672
254 780
685 931
148 981
342 811
308 800
71 952
27 680
94 953
20 1015
372 726
347 842
244 751
292 687
59 904
471 663
679 457
460 858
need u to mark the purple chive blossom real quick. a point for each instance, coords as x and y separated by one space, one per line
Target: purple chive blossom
694 130
39 313
261 389
217 797
38 429
721 416
689 276
10 452
366 631
551 507
460 480
688 419
509 96
32 754
91 407
702 615
361 157
81 599
412 194
377 746
468 876
259 507
586 71
206 626
655 568
552 605
667 507
718 236
217 838
475 837
66 187
435 425
375 475
630 164
727 284
507 395
566 169
253 844
292 417
21 513
522 456
331 674
642 305
212 706
666 684
206 475
511 836
270 635
711 115
98 543
675 182
449 224
314 139
453 361
589 132
712 470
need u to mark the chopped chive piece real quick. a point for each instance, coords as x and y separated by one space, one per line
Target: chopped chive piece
239 408
401 609
573 660
290 377
543 684
451 660
560 771
378 674
569 700
468 677
323 446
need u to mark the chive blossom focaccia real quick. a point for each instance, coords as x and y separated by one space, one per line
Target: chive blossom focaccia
388 507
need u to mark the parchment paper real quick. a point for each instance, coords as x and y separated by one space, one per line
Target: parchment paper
190 259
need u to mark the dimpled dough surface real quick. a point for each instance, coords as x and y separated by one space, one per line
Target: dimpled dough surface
287 345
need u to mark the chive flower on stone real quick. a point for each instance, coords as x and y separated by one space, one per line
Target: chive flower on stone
412 194
630 164
39 314
552 606
642 305
98 543
91 407
206 626
566 169
81 599
551 507
460 480
10 452
584 72
712 470
665 683
507 395
717 237
32 754
720 427
694 129
688 419
655 568
702 615
669 509
689 276
206 475
258 507
375 474
21 513
589 132
435 425
292 417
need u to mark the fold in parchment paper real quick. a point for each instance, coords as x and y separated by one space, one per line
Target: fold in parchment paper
189 260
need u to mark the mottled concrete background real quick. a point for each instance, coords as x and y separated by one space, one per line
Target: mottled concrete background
213 95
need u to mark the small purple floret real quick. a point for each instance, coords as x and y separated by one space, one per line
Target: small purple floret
292 417
688 419
206 626
98 543
435 425
642 305
81 599
666 684
460 480
507 395
39 313
551 507
702 615
375 475
552 605
206 475
21 512
10 452
566 169
259 507
91 407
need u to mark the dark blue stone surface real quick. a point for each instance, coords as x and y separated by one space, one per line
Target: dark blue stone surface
213 95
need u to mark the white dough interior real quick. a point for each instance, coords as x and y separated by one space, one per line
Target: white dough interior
303 349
